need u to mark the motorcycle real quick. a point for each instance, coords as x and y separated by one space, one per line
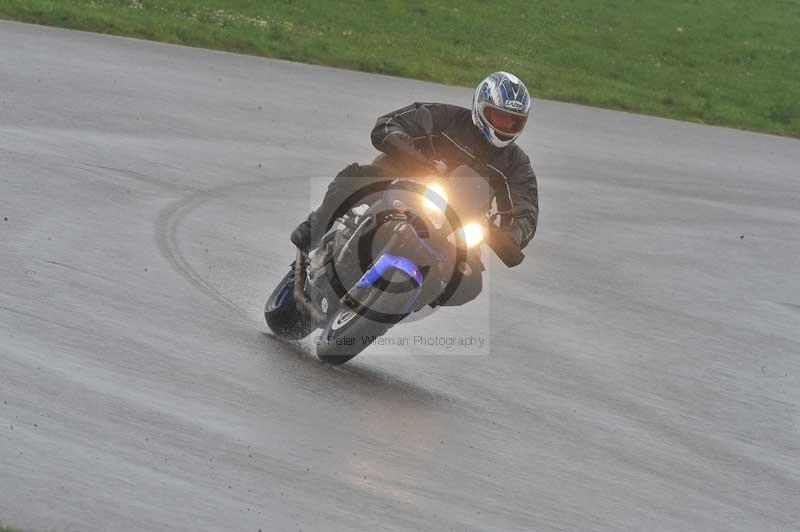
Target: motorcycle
404 245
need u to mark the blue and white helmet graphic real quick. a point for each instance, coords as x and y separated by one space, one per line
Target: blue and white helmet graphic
500 108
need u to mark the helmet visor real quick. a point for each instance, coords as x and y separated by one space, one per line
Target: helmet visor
504 121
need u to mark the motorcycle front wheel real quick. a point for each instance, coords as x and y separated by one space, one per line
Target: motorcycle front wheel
352 329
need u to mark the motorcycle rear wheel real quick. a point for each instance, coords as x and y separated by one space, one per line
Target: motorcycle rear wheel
281 312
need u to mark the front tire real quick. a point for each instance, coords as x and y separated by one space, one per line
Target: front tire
281 312
350 331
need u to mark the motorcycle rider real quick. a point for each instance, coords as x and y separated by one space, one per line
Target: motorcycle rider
482 138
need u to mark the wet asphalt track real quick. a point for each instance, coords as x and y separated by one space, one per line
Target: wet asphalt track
644 371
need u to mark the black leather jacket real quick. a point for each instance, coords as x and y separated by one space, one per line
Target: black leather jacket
457 141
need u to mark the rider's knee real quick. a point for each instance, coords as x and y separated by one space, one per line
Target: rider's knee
378 169
351 170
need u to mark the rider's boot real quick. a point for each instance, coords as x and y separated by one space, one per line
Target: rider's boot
306 235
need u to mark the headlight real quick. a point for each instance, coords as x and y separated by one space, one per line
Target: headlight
471 234
435 201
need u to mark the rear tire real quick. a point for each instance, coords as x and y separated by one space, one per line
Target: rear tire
281 312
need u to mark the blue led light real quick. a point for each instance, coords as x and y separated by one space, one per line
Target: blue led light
385 262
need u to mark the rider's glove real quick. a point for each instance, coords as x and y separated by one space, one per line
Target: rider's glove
520 230
401 147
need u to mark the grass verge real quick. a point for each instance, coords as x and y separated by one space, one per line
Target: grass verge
728 62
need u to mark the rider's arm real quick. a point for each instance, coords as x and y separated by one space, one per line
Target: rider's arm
394 133
524 199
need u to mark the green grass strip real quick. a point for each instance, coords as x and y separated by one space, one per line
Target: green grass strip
728 62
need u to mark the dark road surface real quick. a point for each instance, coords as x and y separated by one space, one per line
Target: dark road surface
644 364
